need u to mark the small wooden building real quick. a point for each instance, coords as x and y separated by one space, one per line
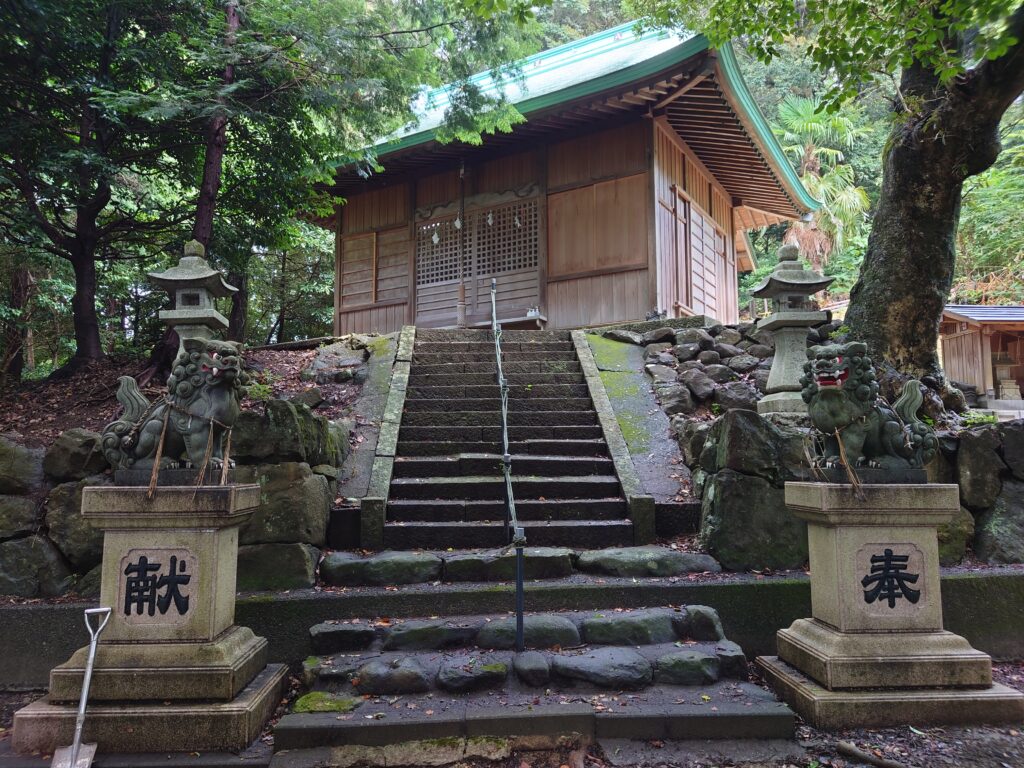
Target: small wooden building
984 346
642 161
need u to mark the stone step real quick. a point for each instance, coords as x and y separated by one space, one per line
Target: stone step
482 334
594 447
418 378
491 390
507 357
475 534
458 510
493 434
543 365
390 568
488 463
457 417
515 405
507 345
493 487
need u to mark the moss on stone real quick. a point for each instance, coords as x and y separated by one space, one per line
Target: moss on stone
321 701
498 668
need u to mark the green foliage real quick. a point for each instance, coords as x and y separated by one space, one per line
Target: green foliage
852 40
978 418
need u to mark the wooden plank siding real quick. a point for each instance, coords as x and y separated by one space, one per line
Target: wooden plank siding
696 255
963 359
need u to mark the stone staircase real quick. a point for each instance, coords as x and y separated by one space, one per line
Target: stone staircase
446 489
643 674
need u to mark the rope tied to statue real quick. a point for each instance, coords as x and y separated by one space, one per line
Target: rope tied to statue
207 455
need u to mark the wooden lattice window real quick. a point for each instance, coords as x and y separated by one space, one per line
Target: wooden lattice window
437 252
504 238
507 238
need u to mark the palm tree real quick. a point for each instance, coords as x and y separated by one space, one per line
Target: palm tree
815 139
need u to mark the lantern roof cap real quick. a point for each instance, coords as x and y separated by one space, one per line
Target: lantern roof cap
791 277
193 271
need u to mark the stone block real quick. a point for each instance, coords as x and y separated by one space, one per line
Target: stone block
686 668
464 674
978 467
276 567
286 432
493 565
423 635
646 627
533 668
999 532
389 568
343 569
394 676
539 631
732 662
698 622
619 668
735 395
954 537
332 637
294 504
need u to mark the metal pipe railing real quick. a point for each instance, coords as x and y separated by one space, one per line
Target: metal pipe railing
516 533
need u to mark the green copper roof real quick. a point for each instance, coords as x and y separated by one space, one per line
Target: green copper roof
603 61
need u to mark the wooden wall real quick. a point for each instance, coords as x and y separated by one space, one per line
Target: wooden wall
599 239
696 255
962 358
627 219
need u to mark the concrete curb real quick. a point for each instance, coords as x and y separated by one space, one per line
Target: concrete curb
373 507
641 506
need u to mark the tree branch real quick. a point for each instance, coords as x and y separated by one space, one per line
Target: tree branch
1000 81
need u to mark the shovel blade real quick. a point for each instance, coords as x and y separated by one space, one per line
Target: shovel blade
62 757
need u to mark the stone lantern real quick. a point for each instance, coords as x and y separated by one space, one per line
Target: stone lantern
194 284
789 286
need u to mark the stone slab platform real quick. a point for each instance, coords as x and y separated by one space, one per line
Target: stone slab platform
472 718
834 710
257 755
42 726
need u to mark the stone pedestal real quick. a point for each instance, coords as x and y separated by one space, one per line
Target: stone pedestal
172 670
789 328
874 652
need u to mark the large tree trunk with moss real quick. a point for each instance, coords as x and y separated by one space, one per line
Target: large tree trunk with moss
943 135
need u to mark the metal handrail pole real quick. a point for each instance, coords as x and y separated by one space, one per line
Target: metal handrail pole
517 534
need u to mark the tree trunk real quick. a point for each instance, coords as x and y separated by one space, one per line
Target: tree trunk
83 306
14 330
239 306
216 144
896 305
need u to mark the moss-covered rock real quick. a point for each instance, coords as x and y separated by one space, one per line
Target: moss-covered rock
33 567
462 674
999 532
954 537
294 504
18 516
686 668
287 432
539 631
636 628
276 566
644 561
322 701
21 468
978 467
745 524
75 455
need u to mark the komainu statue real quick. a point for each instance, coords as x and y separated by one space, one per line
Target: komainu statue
859 429
199 410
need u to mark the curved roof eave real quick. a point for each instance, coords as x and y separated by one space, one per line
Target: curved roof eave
743 102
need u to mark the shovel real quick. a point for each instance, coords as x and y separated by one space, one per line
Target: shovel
80 755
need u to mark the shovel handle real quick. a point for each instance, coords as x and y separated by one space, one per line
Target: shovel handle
104 612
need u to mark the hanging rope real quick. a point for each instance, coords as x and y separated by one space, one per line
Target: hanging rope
158 457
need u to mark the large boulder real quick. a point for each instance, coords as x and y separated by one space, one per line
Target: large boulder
18 516
690 667
736 395
75 455
539 631
743 441
388 568
276 566
675 398
620 668
624 336
394 676
21 468
637 628
697 336
700 383
287 432
33 567
999 532
294 504
978 467
335 363
78 539
745 524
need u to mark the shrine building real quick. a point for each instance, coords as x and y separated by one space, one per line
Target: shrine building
626 193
